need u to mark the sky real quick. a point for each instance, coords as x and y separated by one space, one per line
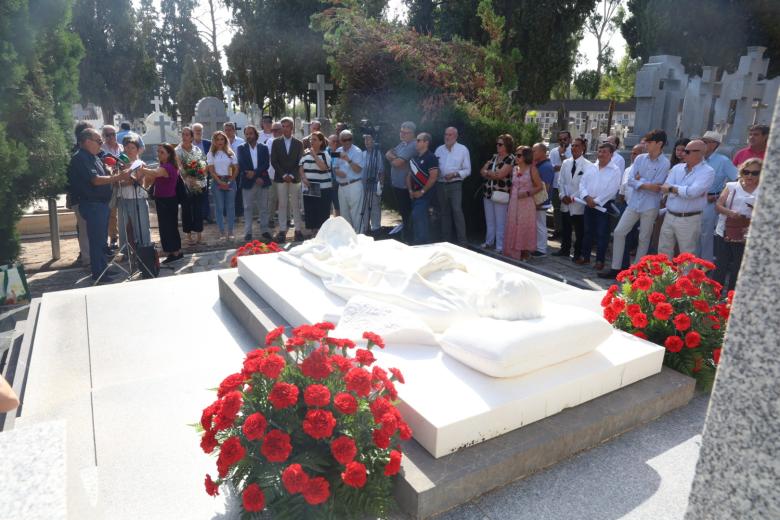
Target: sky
587 48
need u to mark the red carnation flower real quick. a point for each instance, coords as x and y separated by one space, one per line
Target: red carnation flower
228 410
704 264
391 391
379 407
389 423
317 365
276 446
294 343
294 478
354 475
272 365
253 498
663 311
684 257
612 289
283 395
374 338
697 275
254 426
673 291
359 381
640 334
310 332
642 283
230 383
211 487
208 414
344 450
701 306
692 339
341 362
364 357
394 466
397 375
274 335
722 310
618 304
345 403
673 344
316 491
606 300
319 424
404 431
381 440
639 320
209 441
682 322
633 309
316 395
730 296
253 362
229 454
716 356
609 314
655 298
325 325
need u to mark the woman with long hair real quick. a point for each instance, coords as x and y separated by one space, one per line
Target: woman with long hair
678 152
315 170
520 239
165 176
735 208
223 168
192 208
497 174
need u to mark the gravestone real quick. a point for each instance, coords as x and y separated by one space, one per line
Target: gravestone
738 470
91 114
211 113
660 85
320 86
739 91
160 128
696 117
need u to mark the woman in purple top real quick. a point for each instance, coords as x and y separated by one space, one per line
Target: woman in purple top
165 178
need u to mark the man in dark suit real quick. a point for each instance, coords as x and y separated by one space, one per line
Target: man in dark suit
253 162
205 145
286 153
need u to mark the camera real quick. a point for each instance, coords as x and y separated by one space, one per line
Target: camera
367 127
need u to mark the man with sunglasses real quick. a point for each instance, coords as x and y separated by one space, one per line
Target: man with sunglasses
686 188
725 172
348 168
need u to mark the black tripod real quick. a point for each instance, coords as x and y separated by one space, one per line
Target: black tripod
371 169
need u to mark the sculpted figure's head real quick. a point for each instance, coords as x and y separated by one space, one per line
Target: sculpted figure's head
511 298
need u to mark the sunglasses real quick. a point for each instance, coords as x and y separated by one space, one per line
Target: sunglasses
96 139
499 144
753 173
688 152
112 134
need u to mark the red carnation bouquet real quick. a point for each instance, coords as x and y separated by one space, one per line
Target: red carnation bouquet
195 169
310 433
674 304
254 248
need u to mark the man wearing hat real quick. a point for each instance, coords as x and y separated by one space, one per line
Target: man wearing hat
725 172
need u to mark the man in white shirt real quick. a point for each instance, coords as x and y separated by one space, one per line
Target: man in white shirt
454 166
598 191
686 187
571 172
230 131
348 168
557 156
616 157
647 175
267 134
111 147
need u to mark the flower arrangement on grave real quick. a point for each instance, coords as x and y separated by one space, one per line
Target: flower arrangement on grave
195 169
254 248
314 434
673 303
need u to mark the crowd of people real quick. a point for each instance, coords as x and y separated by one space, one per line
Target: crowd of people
696 200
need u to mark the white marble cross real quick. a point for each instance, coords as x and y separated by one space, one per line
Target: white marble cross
229 93
156 102
162 123
320 86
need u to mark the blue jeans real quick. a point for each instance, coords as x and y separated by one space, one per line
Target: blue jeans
420 224
596 229
96 215
225 201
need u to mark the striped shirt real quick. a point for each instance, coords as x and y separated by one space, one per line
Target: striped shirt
313 172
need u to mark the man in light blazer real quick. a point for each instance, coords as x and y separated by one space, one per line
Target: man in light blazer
253 162
572 212
286 153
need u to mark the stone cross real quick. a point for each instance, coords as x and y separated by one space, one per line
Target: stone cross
229 92
162 123
736 476
156 102
757 106
320 86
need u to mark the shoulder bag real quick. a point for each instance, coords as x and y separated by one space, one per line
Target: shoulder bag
736 228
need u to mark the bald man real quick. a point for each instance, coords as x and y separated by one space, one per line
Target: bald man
454 166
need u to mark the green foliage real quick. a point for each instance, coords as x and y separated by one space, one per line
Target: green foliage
588 83
618 84
664 27
39 60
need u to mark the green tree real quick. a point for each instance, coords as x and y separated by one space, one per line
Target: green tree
39 58
587 84
618 84
703 32
195 84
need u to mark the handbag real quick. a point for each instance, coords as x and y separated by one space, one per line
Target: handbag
540 197
182 192
499 197
736 228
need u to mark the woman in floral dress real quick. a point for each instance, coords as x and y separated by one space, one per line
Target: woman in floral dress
520 238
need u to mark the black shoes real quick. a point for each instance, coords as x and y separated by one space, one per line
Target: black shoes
173 258
267 237
611 274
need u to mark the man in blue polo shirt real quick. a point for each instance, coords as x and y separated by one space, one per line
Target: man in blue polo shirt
547 174
725 171
424 170
91 183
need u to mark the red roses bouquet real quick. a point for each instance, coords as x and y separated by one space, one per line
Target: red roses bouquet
674 304
311 436
195 169
254 248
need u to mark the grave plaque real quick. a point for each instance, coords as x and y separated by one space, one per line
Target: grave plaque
211 113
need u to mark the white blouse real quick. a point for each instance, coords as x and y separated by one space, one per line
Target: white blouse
221 162
737 200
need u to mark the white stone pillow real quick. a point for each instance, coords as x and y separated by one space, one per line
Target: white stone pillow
502 348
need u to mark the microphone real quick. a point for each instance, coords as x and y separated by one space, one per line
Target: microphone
109 160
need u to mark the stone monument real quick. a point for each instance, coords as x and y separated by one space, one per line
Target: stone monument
660 86
320 86
696 117
739 469
211 113
160 128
